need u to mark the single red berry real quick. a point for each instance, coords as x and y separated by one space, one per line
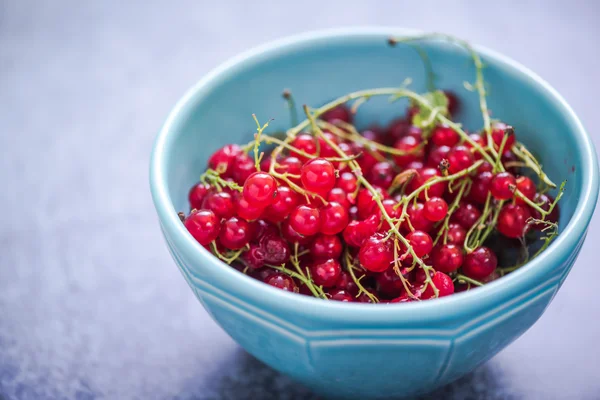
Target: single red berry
443 283
334 218
420 242
421 276
512 220
305 220
389 283
325 247
203 225
325 273
282 281
347 182
480 263
259 189
339 196
460 158
223 159
345 282
292 236
481 187
341 295
381 174
502 186
436 209
527 187
376 254
415 132
466 215
221 203
291 166
245 210
262 228
436 155
235 233
265 164
424 178
306 143
447 258
325 149
478 139
284 202
255 257
275 249
390 208
456 234
318 176
444 136
510 157
197 194
416 215
339 113
485 167
499 130
242 168
412 148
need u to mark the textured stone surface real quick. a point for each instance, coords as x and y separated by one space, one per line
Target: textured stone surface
91 305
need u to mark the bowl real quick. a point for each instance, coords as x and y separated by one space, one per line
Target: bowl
353 350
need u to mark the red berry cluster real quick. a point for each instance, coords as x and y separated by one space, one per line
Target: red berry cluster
400 213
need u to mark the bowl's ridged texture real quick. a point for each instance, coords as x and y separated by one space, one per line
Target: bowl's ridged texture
353 350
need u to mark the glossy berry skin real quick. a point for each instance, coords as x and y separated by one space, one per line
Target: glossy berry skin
444 136
262 228
480 263
512 220
436 155
545 201
527 187
389 283
347 182
443 283
447 258
365 203
456 234
436 209
409 145
326 272
390 208
276 250
498 132
305 220
284 202
460 158
339 196
339 113
282 281
466 215
424 177
259 189
221 203
306 143
255 257
197 194
292 236
381 174
223 159
481 187
346 283
245 210
502 186
421 243
325 247
416 214
242 168
318 176
235 233
340 295
291 166
325 150
376 254
203 225
357 232
334 218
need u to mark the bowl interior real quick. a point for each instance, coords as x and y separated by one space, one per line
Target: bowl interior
319 71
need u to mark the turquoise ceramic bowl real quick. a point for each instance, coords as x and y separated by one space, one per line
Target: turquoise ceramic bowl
362 350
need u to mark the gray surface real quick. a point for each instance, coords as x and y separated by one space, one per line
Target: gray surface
91 305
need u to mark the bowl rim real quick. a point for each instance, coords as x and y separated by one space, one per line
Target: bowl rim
236 283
